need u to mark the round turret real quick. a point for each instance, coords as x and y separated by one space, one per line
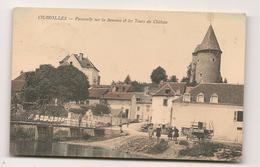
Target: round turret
207 59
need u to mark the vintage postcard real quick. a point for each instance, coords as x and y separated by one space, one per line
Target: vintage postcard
127 84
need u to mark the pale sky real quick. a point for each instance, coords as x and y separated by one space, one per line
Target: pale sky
118 49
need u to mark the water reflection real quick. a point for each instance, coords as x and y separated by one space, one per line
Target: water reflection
34 148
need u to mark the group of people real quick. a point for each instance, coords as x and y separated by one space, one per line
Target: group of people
173 133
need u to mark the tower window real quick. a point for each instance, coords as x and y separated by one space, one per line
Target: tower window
71 63
200 74
198 60
213 60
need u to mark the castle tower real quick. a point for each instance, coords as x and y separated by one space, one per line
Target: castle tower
206 59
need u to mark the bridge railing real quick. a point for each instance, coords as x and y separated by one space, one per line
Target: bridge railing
97 121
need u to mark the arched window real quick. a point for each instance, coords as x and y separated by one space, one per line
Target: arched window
214 98
186 97
200 98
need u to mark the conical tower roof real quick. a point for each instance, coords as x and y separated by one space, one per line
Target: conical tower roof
209 42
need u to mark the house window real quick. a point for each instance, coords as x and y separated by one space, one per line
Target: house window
167 91
238 116
213 59
186 97
138 108
200 98
200 74
165 102
214 98
239 128
138 99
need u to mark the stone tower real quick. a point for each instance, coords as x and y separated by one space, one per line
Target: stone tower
206 59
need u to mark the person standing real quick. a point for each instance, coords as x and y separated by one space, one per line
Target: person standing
176 133
170 133
150 131
158 132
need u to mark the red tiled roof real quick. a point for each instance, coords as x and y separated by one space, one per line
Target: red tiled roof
84 62
228 94
170 89
19 82
97 93
118 96
18 85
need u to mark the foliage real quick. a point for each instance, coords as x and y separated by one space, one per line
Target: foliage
183 142
80 110
158 75
55 111
137 86
159 147
202 149
185 79
100 109
127 79
173 78
65 83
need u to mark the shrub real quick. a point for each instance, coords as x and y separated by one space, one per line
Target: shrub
159 147
183 142
202 149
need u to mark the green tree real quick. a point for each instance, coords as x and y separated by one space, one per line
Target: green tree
158 75
127 79
137 86
71 84
185 79
100 109
173 78
47 82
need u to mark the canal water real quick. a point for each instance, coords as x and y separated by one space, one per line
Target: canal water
36 148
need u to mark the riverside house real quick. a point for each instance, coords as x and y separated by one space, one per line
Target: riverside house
162 101
216 104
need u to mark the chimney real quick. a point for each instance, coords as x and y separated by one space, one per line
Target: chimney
80 56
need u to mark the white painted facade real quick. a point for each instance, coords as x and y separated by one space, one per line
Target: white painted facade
143 112
161 109
93 102
221 116
91 73
124 105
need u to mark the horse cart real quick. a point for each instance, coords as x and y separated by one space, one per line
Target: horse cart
198 131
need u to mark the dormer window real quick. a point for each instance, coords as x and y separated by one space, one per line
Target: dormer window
186 97
200 98
214 98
